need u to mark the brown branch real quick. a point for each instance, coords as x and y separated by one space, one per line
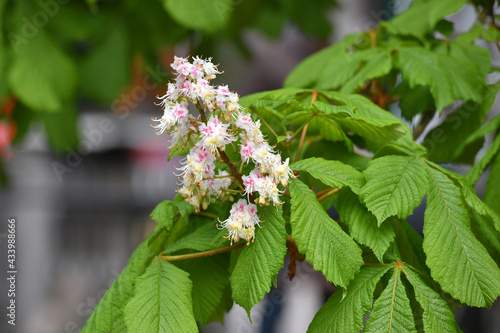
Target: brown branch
332 191
201 254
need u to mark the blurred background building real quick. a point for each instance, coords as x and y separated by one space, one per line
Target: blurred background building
80 214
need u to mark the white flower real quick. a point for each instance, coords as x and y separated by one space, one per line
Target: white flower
198 165
251 181
213 186
241 222
268 191
225 115
282 173
214 134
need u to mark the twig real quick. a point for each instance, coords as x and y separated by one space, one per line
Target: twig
265 123
332 191
201 254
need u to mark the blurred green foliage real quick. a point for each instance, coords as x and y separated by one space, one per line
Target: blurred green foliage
56 52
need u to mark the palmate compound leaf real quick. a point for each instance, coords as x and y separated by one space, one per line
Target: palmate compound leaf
162 301
345 314
458 261
448 78
395 185
331 173
437 316
110 308
260 261
363 225
326 246
392 311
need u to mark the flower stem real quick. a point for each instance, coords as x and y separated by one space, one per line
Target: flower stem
265 123
206 214
234 172
302 126
231 191
201 254
329 192
304 130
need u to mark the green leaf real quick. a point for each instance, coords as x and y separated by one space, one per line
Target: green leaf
223 307
183 207
377 126
476 204
162 301
331 173
489 127
364 108
487 235
470 36
42 75
163 214
349 68
410 244
395 185
328 248
449 140
110 308
307 73
260 261
392 311
106 71
210 279
478 168
404 146
492 192
273 98
363 225
448 78
345 314
208 15
437 316
377 65
422 17
458 261
61 128
415 100
202 239
478 55
119 326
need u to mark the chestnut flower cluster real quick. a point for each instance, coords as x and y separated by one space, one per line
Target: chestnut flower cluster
201 183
